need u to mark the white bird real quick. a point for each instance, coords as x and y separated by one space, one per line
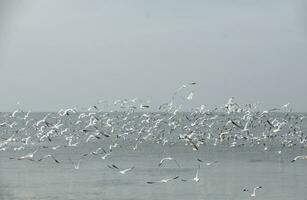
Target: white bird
28 156
70 144
57 125
112 146
43 120
26 116
285 106
77 165
48 156
56 147
124 171
19 148
253 194
63 112
196 178
182 87
279 126
90 137
304 157
12 124
167 158
14 113
63 131
163 181
190 97
96 152
211 163
105 156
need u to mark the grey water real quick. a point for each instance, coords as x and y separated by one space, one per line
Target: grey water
236 168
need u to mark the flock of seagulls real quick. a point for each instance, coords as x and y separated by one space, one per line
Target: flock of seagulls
136 124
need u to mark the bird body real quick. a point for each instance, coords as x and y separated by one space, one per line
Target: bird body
49 156
304 157
124 171
253 194
196 178
163 180
167 158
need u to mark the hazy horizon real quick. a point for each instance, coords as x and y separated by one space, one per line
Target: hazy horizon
58 54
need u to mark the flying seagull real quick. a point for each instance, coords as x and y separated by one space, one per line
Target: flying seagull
49 156
304 157
167 158
28 156
253 194
196 178
124 171
163 180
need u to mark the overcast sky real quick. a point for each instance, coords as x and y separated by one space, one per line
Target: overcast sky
62 53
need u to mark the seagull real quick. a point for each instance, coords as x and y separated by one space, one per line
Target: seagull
211 163
63 112
236 124
112 166
304 157
25 140
190 97
196 178
105 156
19 148
27 115
96 152
285 106
28 156
254 190
56 147
77 165
167 158
42 121
14 113
199 160
208 163
279 126
49 156
112 146
124 171
92 136
163 181
182 87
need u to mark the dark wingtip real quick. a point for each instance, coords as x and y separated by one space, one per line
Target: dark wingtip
114 166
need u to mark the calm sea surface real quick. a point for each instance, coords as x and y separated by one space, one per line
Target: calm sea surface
236 169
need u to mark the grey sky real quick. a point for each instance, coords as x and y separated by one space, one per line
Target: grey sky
59 53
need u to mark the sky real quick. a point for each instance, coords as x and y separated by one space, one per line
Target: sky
63 53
